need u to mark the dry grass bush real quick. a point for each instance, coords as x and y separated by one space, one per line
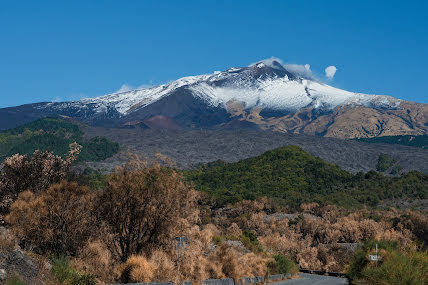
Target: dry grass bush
159 268
228 258
196 262
137 269
233 230
261 204
165 266
95 259
59 220
309 207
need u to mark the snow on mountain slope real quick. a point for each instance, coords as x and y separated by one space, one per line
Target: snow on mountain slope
266 84
125 102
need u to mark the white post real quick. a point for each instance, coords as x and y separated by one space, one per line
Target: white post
376 255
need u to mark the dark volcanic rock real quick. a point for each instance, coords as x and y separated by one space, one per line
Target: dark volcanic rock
190 147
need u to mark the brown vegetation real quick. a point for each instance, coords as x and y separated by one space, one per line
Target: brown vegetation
126 231
35 173
58 220
144 208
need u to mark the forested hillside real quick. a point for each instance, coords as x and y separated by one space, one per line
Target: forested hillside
292 176
54 134
415 141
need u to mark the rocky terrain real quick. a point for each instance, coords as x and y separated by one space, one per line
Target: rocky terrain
190 147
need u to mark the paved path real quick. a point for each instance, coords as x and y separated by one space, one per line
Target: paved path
312 279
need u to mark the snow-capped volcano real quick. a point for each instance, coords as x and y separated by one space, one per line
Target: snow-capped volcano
266 94
261 85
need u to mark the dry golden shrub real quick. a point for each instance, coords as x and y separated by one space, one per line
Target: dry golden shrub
414 222
95 258
402 237
259 224
165 267
309 207
288 245
228 258
234 230
137 269
208 233
195 261
329 213
253 265
308 258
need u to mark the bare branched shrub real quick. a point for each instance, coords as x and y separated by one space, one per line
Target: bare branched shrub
145 207
35 173
59 220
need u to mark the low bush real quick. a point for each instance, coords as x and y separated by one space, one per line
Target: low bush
14 280
398 268
384 162
282 265
66 274
137 269
405 266
249 239
360 259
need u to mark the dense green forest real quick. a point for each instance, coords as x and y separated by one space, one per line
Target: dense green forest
292 176
54 134
416 141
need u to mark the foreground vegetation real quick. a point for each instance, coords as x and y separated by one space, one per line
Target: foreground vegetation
396 265
292 176
83 228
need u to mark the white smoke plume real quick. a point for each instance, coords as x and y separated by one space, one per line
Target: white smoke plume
330 71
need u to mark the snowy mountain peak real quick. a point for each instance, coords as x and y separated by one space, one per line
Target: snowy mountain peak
271 62
266 84
268 94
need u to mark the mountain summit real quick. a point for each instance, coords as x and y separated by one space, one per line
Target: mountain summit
264 95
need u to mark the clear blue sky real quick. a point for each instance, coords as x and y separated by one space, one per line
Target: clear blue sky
51 50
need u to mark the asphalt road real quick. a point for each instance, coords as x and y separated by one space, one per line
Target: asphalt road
312 279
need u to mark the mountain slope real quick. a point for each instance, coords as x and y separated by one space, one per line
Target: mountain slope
265 95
